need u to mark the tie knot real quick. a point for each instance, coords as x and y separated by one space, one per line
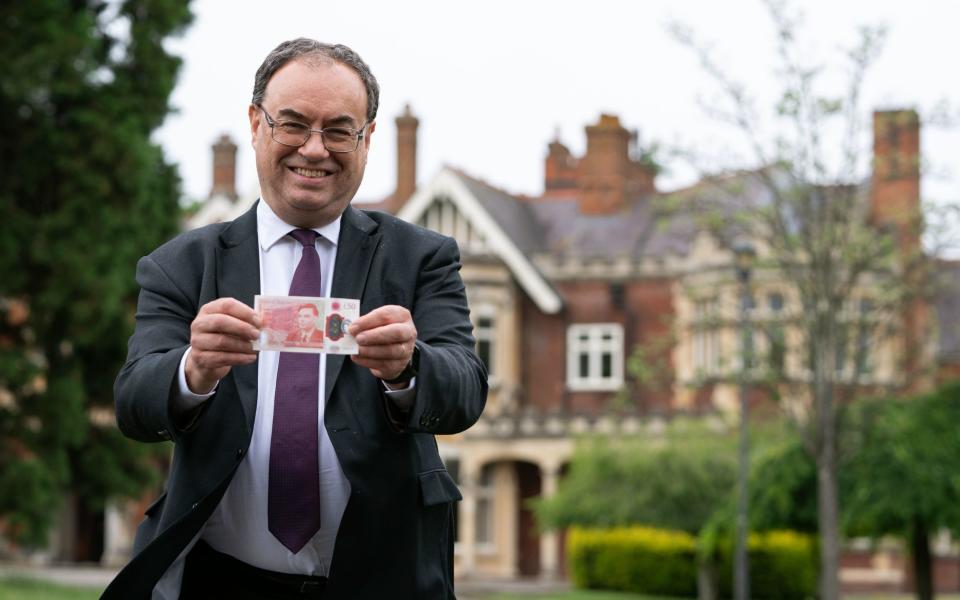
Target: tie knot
307 237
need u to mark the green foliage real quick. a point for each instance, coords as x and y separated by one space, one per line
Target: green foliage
83 194
676 481
783 487
29 493
633 559
783 565
904 465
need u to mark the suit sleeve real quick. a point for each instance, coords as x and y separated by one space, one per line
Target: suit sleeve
452 382
143 388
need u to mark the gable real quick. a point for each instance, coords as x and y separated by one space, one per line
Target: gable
442 216
447 205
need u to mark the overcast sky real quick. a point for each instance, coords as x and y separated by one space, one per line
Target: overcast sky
493 81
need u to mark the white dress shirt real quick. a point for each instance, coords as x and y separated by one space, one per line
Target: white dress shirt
238 526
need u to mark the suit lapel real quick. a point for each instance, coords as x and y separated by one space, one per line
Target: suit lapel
238 276
355 249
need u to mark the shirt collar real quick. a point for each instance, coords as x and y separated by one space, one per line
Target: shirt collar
271 228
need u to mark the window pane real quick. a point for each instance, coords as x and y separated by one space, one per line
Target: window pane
606 366
483 351
484 520
584 366
776 302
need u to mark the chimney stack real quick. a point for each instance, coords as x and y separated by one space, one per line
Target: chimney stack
224 168
605 167
560 167
895 204
895 190
406 157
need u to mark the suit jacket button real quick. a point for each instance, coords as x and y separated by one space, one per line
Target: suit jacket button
239 453
195 505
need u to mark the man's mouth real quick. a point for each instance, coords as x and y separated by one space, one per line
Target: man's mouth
311 173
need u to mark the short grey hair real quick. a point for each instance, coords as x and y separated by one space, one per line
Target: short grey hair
305 47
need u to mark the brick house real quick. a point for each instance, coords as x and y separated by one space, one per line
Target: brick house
566 287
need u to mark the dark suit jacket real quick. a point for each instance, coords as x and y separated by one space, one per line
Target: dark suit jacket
395 539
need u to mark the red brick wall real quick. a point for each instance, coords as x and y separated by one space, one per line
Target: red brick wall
644 308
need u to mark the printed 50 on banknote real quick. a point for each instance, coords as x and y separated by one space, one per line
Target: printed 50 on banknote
306 324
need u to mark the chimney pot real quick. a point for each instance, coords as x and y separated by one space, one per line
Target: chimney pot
407 125
224 168
895 189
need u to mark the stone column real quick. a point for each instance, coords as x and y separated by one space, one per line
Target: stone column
467 522
549 541
117 537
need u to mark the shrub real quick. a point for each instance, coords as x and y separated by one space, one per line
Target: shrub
783 566
633 559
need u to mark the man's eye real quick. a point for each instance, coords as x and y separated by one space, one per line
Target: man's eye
335 133
289 127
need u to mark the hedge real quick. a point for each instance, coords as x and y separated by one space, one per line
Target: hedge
645 560
633 559
784 565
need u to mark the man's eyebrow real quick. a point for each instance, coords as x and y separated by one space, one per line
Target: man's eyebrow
343 120
290 113
339 121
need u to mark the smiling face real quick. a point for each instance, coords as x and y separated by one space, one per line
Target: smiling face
310 186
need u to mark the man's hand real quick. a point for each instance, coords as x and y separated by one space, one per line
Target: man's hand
220 338
385 337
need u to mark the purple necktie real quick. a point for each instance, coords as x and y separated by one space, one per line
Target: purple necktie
293 503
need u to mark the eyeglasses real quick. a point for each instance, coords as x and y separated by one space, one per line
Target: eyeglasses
294 134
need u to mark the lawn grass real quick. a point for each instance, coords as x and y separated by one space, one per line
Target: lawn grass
579 595
21 588
596 595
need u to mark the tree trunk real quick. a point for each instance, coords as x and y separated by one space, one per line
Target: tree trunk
922 560
829 526
828 503
706 580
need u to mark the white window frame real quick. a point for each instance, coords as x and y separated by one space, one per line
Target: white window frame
706 338
485 537
487 334
595 347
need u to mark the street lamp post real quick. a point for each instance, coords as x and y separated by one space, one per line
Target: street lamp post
745 254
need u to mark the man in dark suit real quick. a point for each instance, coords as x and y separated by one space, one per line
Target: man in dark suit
362 507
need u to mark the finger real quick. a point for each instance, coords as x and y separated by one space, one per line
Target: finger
218 342
380 367
225 324
395 333
211 361
232 307
380 317
393 352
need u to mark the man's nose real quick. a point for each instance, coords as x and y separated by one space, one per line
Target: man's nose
314 148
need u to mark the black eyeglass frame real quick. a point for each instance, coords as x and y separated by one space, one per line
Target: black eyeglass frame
358 134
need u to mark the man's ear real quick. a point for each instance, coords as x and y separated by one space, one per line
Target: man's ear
369 134
254 113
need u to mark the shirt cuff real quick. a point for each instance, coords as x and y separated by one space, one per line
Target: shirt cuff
402 399
187 400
